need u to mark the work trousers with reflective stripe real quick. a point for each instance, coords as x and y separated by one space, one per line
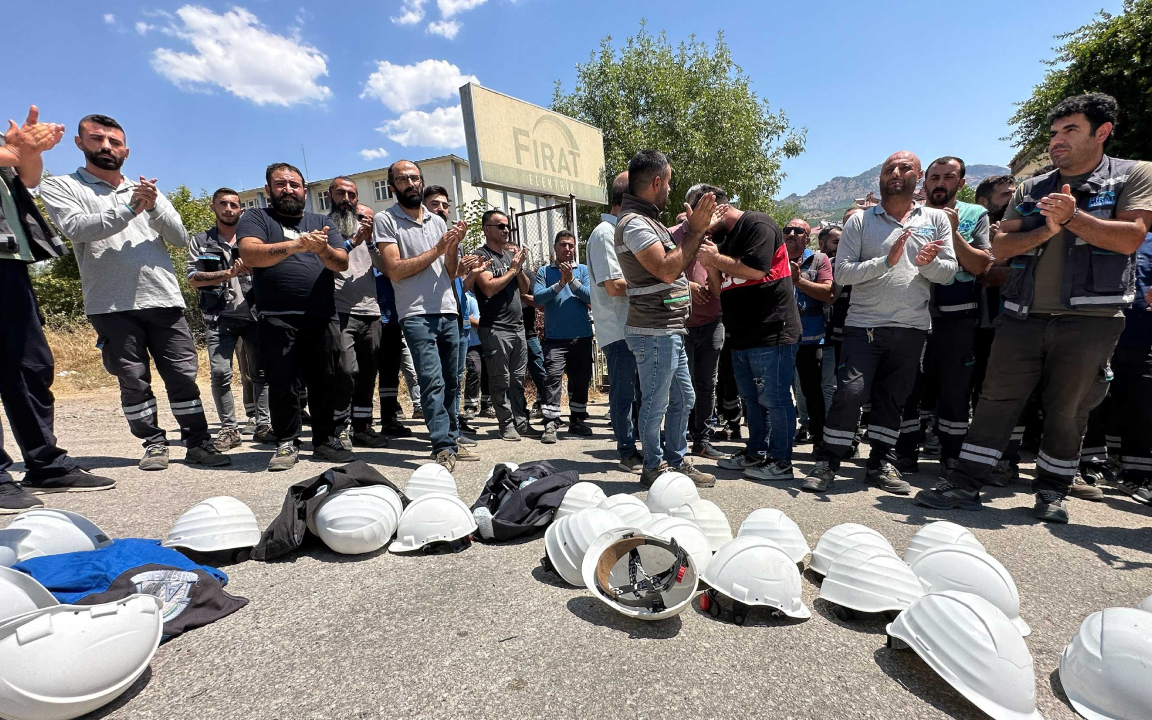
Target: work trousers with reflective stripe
878 365
356 375
1122 424
1066 356
574 358
126 340
727 392
941 388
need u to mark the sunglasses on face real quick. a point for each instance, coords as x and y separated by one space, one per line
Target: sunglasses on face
794 231
500 226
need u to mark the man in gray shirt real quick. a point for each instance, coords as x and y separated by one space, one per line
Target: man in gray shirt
118 229
890 254
359 313
227 302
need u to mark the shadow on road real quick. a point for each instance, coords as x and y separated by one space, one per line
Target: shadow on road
861 622
133 690
914 675
595 612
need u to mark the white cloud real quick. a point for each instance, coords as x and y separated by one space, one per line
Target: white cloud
373 153
444 28
235 51
109 19
441 128
406 87
448 8
411 12
142 28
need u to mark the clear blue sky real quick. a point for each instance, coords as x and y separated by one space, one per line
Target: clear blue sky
211 93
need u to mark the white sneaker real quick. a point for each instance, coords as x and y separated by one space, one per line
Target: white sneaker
773 469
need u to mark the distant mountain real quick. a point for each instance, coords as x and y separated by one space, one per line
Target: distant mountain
839 192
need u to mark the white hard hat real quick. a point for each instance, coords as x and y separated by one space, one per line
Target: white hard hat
218 523
870 579
630 509
431 520
671 490
709 517
639 575
970 643
358 520
774 525
566 541
936 534
1104 670
578 497
44 531
430 478
687 535
959 567
757 572
1146 604
65 661
839 538
512 467
20 593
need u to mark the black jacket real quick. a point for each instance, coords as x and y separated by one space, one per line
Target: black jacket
523 510
42 241
288 530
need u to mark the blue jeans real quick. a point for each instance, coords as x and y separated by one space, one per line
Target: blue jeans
667 396
764 379
434 341
622 386
536 362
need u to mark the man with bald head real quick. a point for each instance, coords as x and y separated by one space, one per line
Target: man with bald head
890 254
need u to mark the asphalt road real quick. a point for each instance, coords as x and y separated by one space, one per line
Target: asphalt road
485 634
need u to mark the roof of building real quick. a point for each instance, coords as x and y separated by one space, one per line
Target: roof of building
311 183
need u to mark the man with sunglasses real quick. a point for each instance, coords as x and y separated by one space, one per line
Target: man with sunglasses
502 324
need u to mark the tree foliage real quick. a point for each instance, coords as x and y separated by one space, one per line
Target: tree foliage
692 102
1112 54
966 194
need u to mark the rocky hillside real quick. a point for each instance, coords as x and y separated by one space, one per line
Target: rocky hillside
839 192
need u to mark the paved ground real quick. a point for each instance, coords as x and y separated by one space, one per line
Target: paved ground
484 634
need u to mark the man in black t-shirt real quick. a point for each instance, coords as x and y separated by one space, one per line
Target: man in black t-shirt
294 255
748 268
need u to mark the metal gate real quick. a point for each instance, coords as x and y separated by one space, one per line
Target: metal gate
535 230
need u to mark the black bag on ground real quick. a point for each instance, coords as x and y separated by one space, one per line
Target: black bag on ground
520 502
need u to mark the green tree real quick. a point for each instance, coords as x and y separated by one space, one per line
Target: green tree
1112 54
692 102
966 194
196 213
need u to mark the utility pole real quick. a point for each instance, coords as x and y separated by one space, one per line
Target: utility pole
305 156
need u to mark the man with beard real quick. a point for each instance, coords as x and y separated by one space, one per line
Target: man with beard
359 313
659 302
119 229
812 281
942 386
993 194
421 257
295 255
228 304
829 241
890 254
748 268
562 291
1072 234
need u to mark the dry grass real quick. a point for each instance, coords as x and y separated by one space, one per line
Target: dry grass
79 369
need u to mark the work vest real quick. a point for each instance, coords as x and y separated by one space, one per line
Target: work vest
215 256
654 307
961 297
1092 276
811 310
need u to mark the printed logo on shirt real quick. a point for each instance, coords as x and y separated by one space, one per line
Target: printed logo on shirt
966 227
1103 199
781 268
173 587
928 232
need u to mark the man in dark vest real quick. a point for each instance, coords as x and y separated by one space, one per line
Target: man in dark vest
1071 235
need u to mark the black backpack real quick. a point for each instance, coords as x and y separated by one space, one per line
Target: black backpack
516 506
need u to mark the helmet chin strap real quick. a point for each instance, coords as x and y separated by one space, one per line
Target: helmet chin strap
644 589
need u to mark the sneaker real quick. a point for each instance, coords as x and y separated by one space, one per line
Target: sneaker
345 437
705 449
946 496
734 431
802 436
741 461
228 438
819 478
508 432
466 428
634 464
332 451
579 427
549 436
248 428
908 465
264 435
417 413
1126 486
537 411
14 499
1003 473
206 454
77 480
155 458
649 475
887 478
948 466
466 455
1144 494
468 413
772 469
1081 489
465 440
698 477
395 429
369 438
931 443
284 457
488 412
446 459
527 430
1050 507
